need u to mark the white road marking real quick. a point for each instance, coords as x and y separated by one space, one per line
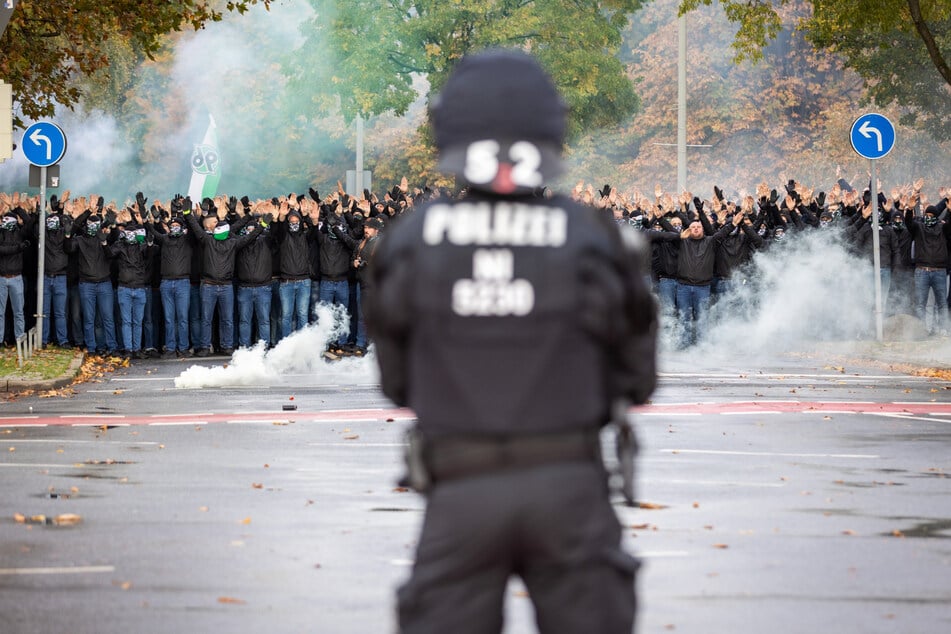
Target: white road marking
40 465
53 441
771 485
715 452
92 415
176 423
192 415
60 570
908 417
657 554
31 425
669 414
18 417
356 444
748 413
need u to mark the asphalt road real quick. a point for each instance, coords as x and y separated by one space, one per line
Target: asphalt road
793 496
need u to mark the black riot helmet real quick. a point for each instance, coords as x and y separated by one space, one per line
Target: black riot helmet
499 122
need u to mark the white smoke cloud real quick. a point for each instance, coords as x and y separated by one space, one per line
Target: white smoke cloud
298 355
807 292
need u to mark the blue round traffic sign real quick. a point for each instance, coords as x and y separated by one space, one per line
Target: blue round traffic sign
44 144
872 136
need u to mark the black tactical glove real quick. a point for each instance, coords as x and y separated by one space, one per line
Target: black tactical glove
187 205
232 205
313 194
100 204
140 201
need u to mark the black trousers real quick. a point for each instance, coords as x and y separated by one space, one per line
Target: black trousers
551 525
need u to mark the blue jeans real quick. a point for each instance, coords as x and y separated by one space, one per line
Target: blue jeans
362 294
335 292
12 286
256 301
132 309
692 305
295 302
97 300
176 297
667 293
54 292
926 282
222 296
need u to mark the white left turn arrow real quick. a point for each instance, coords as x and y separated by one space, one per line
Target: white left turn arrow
866 129
36 137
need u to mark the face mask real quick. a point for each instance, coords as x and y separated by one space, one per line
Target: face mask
139 236
677 228
825 224
92 228
779 236
52 223
176 231
294 227
221 232
930 221
128 237
762 232
9 223
898 225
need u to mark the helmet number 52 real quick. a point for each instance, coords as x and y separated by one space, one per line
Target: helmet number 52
482 162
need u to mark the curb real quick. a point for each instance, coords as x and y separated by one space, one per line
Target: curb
20 385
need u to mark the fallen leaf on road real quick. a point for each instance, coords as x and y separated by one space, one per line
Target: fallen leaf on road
231 601
257 485
246 521
118 392
203 509
848 531
897 533
640 527
67 519
696 505
651 506
401 490
19 518
720 546
354 437
12 449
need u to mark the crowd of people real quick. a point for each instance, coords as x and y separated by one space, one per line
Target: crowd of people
144 279
181 277
700 248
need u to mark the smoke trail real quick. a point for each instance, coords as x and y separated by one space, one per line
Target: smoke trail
806 292
297 355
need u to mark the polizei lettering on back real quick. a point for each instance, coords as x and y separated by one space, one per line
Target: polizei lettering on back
493 290
498 224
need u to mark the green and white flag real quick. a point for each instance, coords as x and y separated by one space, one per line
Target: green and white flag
206 166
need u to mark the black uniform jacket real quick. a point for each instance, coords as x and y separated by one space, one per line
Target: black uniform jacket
508 316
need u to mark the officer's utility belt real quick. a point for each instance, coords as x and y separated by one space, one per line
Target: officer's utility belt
429 461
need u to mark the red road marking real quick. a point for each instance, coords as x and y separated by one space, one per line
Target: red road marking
658 409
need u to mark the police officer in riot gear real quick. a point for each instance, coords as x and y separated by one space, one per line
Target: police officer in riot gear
510 324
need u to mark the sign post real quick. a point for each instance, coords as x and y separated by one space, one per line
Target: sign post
872 137
44 145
